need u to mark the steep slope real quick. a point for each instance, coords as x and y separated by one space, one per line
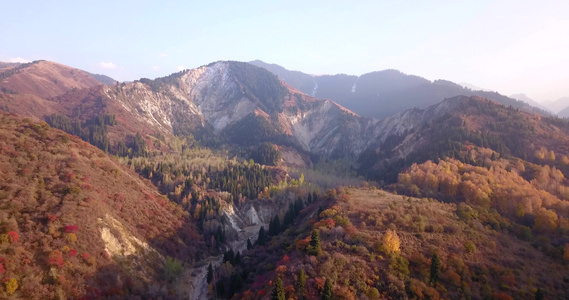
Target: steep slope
46 79
241 104
370 244
557 105
74 222
530 101
443 129
381 94
564 113
301 81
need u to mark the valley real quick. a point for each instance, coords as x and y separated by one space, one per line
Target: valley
113 189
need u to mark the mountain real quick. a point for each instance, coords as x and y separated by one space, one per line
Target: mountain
45 79
557 105
443 129
104 79
383 93
225 101
564 113
473 87
76 223
209 142
528 100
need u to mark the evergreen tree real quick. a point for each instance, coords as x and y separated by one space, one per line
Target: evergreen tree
209 273
435 269
262 239
314 246
236 284
238 258
328 293
279 291
275 226
301 282
539 294
249 245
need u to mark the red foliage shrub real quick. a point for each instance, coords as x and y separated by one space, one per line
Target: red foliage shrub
2 270
86 256
319 283
71 229
302 244
328 223
281 269
502 296
55 259
14 237
52 218
261 293
72 253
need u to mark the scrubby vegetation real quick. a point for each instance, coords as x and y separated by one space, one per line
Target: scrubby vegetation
69 214
369 244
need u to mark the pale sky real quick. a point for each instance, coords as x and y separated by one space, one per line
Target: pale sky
507 46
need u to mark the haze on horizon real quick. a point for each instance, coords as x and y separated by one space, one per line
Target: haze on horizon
507 46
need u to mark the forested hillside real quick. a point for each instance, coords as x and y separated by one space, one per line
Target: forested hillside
370 244
70 216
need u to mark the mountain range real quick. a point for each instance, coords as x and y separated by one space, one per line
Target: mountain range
383 93
244 105
192 166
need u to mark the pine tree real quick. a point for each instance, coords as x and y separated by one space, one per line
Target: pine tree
314 246
261 240
279 291
435 269
539 294
209 273
249 245
301 282
328 293
238 258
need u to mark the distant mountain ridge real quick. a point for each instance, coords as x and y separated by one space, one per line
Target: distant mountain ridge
237 103
383 93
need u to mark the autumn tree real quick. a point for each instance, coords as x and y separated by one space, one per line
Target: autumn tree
546 220
172 269
11 285
435 269
55 259
391 241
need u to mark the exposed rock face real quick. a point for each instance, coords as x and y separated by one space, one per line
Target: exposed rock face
233 101
215 98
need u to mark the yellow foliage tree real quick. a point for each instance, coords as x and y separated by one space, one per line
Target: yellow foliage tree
11 286
71 237
551 155
546 220
391 241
